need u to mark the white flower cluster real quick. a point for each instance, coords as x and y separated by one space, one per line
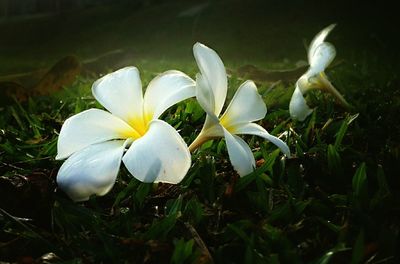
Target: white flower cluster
95 141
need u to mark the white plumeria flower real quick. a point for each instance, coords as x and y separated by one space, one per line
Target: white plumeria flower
320 55
245 107
94 141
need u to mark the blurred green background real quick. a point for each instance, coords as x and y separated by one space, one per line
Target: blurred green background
36 34
335 201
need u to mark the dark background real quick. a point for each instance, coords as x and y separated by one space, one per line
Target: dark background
36 34
47 46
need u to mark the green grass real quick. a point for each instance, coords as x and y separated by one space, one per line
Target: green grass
335 201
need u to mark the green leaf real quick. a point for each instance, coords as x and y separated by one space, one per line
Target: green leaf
383 191
221 146
329 224
176 206
295 181
127 191
360 182
194 211
358 249
207 145
141 193
334 160
183 251
288 212
273 232
8 147
28 231
343 129
206 178
310 126
194 109
299 150
239 229
160 229
30 118
246 180
249 256
329 254
258 200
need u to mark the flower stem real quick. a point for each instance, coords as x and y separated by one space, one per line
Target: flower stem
331 89
200 140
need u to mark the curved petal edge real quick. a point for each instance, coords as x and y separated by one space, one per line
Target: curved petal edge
240 154
92 170
165 90
120 92
161 155
319 39
90 127
257 130
213 70
298 107
246 105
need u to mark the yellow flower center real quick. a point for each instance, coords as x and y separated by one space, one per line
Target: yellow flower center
138 125
224 121
129 133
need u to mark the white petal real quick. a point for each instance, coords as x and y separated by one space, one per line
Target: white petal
92 170
318 40
166 90
160 155
210 131
213 70
298 107
257 130
120 93
322 57
90 127
240 154
205 97
247 105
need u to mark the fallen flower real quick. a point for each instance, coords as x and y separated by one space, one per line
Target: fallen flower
246 107
320 55
94 141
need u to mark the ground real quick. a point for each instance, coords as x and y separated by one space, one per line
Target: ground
336 200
